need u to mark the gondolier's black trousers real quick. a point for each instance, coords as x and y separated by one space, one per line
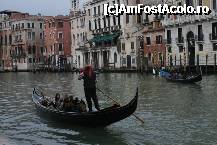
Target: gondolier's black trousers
90 93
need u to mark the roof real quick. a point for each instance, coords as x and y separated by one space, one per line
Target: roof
8 12
57 18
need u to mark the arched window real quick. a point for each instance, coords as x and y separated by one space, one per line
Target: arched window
90 25
104 21
115 57
99 23
109 21
95 22
29 49
79 61
74 39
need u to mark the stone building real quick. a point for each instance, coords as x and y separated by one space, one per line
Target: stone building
94 37
79 41
27 45
5 33
57 41
106 41
6 62
191 39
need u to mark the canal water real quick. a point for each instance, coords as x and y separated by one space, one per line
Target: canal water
173 113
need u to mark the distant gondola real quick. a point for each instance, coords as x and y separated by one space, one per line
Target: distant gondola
187 79
101 118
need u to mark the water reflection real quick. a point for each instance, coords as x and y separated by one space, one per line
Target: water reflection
89 135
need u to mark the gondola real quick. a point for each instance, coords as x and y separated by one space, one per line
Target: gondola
100 118
188 79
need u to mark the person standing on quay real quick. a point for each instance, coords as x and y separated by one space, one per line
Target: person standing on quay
89 77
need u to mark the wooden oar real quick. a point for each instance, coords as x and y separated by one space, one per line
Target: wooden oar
120 104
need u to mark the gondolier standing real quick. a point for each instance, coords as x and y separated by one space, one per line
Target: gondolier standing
89 77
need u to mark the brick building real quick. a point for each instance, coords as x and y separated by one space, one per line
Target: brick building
58 41
6 16
154 47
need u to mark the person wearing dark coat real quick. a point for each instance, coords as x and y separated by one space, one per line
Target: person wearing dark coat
89 77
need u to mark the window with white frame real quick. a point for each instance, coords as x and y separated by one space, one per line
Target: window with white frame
60 47
60 35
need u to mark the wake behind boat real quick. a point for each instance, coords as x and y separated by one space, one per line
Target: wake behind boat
102 118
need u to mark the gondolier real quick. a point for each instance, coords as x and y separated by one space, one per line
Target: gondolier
89 77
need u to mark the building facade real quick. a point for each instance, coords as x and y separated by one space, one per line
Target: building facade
154 36
57 41
30 42
5 42
6 62
79 36
191 39
106 41
27 42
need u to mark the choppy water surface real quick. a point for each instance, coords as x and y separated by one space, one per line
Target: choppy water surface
173 113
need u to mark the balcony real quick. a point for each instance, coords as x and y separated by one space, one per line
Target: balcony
123 52
180 41
150 27
168 41
96 15
158 17
199 38
115 28
133 51
19 55
106 30
61 52
145 22
81 44
96 31
213 37
19 41
75 14
168 22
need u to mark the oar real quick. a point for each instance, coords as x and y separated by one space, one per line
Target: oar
119 104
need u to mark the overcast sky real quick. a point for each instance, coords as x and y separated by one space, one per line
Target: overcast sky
45 7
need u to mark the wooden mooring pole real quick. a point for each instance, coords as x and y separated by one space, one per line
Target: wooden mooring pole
214 63
206 63
198 63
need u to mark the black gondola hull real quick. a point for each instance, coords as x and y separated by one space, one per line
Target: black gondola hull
99 118
192 79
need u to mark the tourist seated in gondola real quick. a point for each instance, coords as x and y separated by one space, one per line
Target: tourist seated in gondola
73 105
56 102
44 101
67 106
79 106
61 102
76 104
82 106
